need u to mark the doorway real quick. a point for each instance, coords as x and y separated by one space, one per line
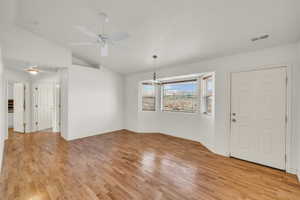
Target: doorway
46 106
16 105
258 116
10 110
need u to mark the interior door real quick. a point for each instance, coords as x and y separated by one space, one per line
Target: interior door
19 107
43 106
258 116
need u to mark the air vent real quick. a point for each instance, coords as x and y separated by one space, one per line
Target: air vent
260 38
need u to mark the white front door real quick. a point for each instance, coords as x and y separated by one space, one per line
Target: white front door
19 107
258 116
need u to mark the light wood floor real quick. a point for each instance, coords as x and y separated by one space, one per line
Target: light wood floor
129 166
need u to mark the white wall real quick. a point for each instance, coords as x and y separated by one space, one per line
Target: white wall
45 78
212 132
64 100
2 110
297 121
95 101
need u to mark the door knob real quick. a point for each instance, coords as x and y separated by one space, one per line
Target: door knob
233 120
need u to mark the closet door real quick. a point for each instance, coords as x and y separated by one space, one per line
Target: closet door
43 106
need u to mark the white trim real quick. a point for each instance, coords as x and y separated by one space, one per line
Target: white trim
289 109
27 111
140 98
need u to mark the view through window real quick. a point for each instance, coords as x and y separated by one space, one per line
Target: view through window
180 96
148 97
190 94
208 94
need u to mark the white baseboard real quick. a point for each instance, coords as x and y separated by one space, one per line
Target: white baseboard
90 134
291 171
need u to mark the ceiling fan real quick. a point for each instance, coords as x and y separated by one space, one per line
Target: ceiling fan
102 39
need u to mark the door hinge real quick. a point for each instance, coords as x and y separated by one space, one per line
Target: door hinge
285 158
286 80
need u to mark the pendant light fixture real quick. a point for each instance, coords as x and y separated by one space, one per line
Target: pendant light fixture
154 63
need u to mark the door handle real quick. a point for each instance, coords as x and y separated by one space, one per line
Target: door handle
233 120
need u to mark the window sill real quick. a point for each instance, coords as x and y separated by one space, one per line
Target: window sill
187 113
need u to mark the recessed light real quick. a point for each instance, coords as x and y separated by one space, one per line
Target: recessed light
262 37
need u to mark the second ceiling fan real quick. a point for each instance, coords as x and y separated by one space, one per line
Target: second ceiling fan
103 39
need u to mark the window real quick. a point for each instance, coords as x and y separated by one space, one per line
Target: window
207 94
180 96
148 97
192 93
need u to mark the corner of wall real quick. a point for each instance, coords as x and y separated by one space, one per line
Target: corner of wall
2 106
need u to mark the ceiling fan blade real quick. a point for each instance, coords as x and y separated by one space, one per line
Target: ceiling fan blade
83 43
118 36
104 50
86 32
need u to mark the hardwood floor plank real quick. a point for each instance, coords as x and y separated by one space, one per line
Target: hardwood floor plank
126 165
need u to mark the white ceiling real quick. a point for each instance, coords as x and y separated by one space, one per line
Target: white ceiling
179 31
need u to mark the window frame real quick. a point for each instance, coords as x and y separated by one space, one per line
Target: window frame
155 96
200 94
204 96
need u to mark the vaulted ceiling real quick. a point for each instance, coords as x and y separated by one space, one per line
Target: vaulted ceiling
178 31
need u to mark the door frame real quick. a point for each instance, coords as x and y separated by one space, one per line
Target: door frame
27 99
57 104
288 132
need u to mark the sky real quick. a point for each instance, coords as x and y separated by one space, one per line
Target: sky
187 87
148 90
